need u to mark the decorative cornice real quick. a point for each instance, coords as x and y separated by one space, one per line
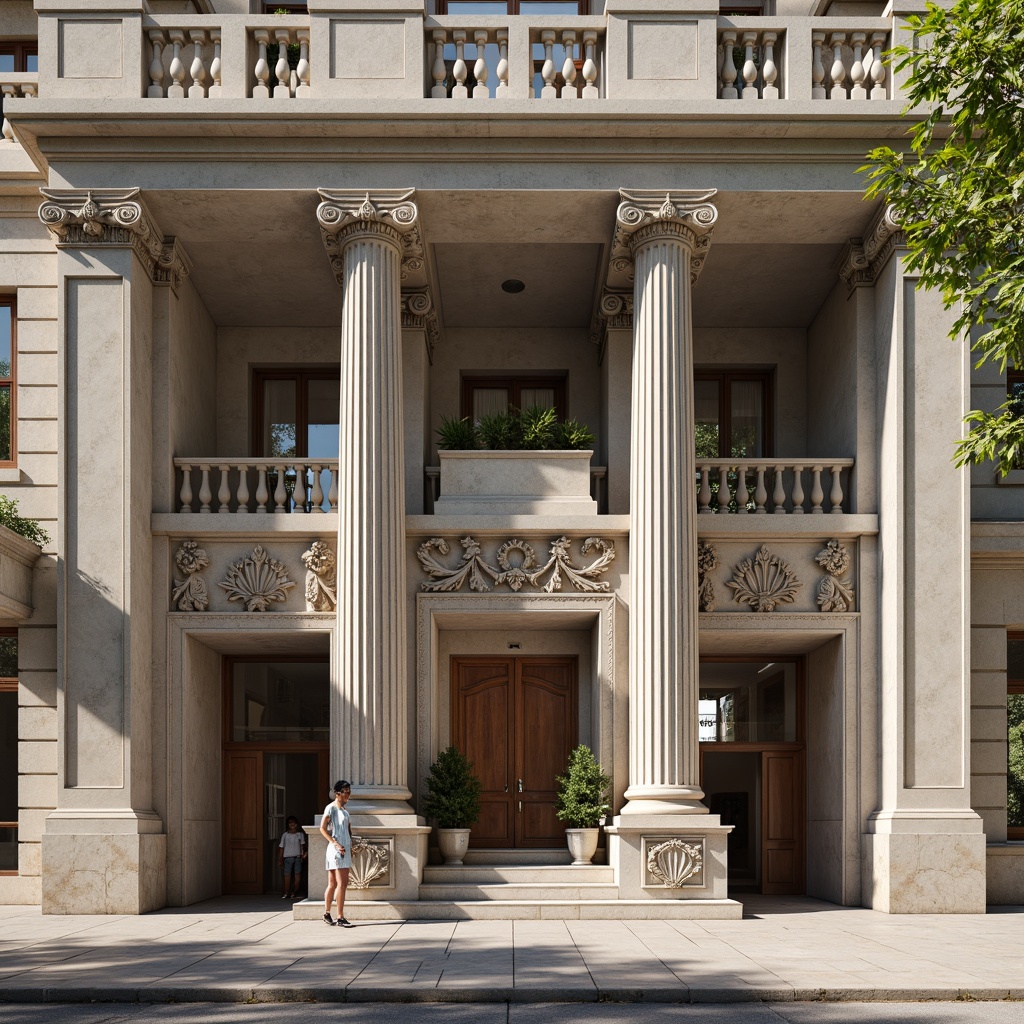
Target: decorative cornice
862 259
389 214
418 313
853 267
172 265
614 311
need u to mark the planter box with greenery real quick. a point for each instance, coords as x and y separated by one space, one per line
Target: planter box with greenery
515 463
453 800
21 541
582 802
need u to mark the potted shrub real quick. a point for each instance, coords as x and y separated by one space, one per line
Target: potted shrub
582 801
453 799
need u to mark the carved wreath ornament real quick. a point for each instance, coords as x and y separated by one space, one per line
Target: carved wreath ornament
674 862
370 861
517 565
257 581
764 582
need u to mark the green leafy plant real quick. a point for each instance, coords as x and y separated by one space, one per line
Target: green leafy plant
582 798
27 528
457 435
501 431
453 790
537 428
573 435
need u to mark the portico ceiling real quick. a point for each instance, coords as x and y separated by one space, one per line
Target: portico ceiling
259 259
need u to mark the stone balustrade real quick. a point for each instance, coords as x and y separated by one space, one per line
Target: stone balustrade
782 486
241 486
17 83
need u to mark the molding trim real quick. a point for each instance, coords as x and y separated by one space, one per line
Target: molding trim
862 259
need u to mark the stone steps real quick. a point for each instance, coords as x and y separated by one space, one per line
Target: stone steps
512 892
483 874
509 858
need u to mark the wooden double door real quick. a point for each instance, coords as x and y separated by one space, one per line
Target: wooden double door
516 719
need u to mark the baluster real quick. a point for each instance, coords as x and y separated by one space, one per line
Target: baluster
243 489
261 490
223 492
547 71
501 92
817 68
769 70
460 72
185 495
779 494
798 490
438 71
261 90
299 494
569 66
704 493
215 64
205 494
197 90
6 130
332 494
303 89
760 493
480 90
729 74
177 90
156 65
749 40
590 91
816 492
742 497
836 497
858 74
316 498
280 491
9 91
723 490
878 90
282 91
838 72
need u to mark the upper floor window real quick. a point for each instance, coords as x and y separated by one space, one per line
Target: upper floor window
733 414
485 396
554 8
8 346
1015 737
19 56
296 413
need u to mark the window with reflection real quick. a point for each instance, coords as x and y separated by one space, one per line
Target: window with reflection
486 396
748 702
733 414
279 701
1015 736
8 347
8 752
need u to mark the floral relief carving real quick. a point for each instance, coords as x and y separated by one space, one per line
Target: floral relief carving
191 594
321 578
835 594
257 581
674 862
370 861
517 566
707 563
764 582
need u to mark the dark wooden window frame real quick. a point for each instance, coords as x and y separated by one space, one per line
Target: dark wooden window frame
1014 686
724 379
301 377
515 384
9 684
10 302
513 6
21 51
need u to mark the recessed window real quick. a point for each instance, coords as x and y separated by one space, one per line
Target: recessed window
733 414
747 702
279 702
1015 737
19 57
485 396
544 8
8 752
296 413
8 348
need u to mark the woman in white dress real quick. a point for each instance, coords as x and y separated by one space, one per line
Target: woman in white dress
334 828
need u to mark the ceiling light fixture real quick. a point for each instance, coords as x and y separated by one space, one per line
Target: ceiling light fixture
512 286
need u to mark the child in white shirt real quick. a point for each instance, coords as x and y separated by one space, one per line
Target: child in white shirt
291 852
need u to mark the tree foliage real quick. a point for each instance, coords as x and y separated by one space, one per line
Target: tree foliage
958 195
27 528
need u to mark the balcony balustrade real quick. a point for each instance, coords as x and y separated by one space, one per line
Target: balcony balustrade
240 486
13 84
741 487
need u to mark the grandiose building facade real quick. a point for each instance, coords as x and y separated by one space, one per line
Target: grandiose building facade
254 256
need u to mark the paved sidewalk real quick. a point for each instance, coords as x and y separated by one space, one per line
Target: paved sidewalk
246 949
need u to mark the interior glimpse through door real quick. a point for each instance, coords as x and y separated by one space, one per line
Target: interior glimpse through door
516 720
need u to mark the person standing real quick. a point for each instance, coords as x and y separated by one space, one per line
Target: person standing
291 852
334 827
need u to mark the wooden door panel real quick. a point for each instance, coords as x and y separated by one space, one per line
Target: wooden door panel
782 823
243 849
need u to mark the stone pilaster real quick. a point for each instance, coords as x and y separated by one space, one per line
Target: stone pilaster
103 849
667 237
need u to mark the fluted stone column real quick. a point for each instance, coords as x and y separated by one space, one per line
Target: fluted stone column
667 236
365 236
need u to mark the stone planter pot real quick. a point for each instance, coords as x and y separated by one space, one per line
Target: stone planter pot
582 843
453 843
515 483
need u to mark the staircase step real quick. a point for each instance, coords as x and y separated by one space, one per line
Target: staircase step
507 857
506 891
480 874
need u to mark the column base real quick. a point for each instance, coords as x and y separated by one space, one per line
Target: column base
380 800
924 873
665 856
664 800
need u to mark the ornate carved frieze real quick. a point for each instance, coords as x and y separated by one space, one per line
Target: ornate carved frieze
371 863
258 581
763 582
673 863
391 214
863 258
707 563
854 267
517 566
190 594
321 578
835 594
172 265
